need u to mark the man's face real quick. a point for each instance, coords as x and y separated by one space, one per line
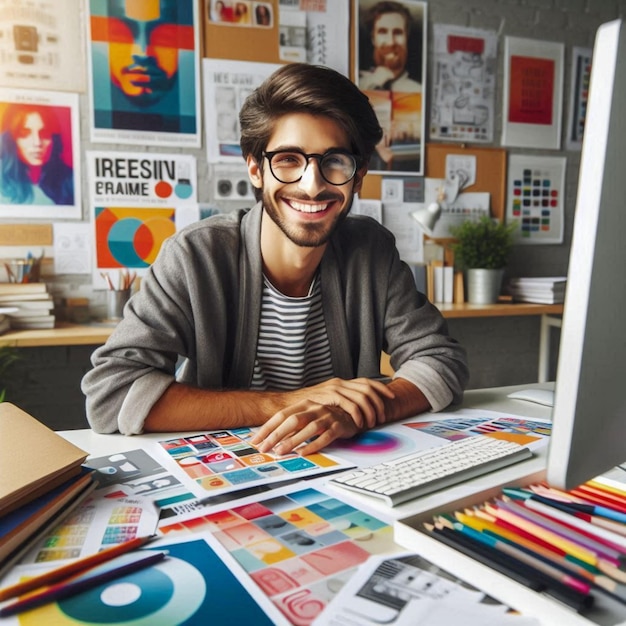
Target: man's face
308 211
34 141
389 37
143 50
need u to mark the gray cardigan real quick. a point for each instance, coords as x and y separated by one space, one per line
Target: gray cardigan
201 300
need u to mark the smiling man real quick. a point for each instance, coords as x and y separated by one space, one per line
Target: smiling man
280 313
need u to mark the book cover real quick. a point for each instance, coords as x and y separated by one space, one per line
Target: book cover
20 524
33 458
22 288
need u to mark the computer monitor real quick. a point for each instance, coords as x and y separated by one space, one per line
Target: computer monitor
589 414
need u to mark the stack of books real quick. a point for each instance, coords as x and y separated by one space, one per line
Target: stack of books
542 290
42 479
33 305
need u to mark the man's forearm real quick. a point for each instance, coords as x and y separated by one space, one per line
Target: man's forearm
183 407
408 400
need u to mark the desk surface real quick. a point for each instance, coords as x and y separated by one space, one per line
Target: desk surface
65 334
494 399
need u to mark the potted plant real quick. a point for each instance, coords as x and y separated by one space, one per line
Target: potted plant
482 250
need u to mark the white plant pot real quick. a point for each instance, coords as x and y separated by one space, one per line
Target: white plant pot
483 286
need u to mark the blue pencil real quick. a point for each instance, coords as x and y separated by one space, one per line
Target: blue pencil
116 568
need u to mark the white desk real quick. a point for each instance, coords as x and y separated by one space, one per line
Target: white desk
494 399
483 487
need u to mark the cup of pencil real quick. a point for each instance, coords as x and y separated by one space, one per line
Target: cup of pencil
116 301
117 297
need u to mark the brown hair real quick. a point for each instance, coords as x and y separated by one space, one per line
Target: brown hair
313 89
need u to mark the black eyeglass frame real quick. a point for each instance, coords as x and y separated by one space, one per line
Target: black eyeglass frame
269 155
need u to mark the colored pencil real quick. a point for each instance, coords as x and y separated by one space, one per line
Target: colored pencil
111 570
79 565
530 560
571 519
504 562
592 574
595 545
573 505
565 543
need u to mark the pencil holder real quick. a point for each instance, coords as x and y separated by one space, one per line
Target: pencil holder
116 300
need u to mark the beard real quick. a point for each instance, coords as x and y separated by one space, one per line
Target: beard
398 59
310 234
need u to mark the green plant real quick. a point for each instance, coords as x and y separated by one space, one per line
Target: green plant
8 356
482 243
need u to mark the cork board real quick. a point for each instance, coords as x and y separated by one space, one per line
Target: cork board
490 170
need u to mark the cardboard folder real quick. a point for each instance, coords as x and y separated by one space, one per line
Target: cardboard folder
33 458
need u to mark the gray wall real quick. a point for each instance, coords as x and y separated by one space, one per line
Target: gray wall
502 351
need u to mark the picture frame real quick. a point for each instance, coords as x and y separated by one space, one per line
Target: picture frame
579 92
396 86
55 193
532 94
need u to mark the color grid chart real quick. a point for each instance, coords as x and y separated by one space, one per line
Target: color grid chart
224 461
299 548
536 194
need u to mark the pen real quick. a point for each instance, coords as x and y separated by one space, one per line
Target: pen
116 568
74 567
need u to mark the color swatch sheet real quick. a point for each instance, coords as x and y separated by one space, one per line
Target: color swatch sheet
221 461
298 548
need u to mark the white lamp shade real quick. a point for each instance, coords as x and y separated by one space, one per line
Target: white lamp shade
428 217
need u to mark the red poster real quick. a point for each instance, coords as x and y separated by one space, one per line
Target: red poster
531 90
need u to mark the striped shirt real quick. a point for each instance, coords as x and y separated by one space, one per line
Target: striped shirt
292 349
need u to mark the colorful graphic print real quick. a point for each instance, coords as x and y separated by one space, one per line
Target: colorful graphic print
157 93
191 586
225 461
298 548
131 237
520 430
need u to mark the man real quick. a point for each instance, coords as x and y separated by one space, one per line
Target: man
143 45
281 312
388 25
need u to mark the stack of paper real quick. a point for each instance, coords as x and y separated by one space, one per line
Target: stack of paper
31 303
543 290
41 478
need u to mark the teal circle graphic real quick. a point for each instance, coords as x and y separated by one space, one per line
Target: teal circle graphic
121 242
170 593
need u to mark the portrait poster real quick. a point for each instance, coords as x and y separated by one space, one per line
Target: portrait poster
144 72
391 71
464 84
536 198
135 199
226 85
39 155
41 44
579 94
533 93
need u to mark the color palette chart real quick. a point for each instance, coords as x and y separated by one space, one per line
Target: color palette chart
536 194
521 430
299 548
224 461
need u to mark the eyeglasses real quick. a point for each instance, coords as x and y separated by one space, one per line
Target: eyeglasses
337 167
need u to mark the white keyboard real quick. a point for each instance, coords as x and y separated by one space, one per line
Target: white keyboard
417 474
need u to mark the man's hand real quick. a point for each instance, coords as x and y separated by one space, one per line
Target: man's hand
332 410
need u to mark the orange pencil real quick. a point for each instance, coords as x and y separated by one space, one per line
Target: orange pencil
80 565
